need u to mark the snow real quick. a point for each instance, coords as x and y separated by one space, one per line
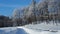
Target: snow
8 30
24 30
41 28
44 26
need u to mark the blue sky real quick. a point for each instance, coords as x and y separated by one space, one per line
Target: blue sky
7 6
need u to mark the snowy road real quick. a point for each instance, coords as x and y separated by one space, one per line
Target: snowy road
23 30
30 31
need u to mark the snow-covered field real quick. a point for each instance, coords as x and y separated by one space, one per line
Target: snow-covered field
32 29
23 30
44 26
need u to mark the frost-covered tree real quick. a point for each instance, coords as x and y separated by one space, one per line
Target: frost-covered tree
16 16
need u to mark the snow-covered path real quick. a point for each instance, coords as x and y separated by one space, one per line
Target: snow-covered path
30 31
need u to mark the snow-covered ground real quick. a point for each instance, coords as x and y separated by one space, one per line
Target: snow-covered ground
23 30
42 28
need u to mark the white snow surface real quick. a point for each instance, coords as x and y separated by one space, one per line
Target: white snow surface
24 30
41 28
44 26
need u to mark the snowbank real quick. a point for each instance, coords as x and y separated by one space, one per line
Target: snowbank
44 26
